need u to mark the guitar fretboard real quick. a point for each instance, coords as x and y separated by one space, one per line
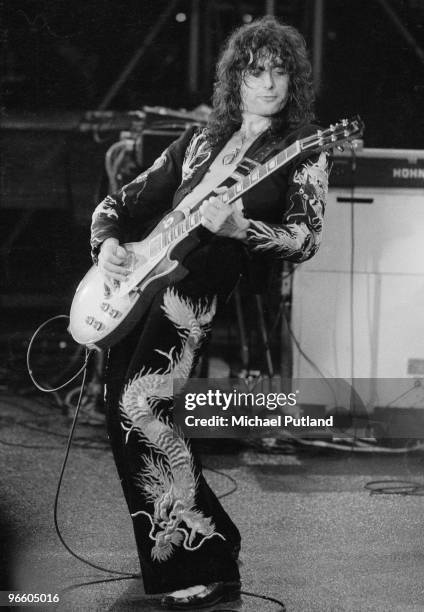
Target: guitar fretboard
179 229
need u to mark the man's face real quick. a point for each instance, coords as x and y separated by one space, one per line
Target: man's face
265 88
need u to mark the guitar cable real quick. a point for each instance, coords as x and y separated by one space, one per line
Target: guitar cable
56 500
69 442
28 355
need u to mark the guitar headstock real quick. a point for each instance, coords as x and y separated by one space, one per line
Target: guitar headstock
345 130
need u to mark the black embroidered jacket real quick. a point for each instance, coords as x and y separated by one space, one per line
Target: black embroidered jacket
285 209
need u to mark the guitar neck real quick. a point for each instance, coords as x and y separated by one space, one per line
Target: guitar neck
340 133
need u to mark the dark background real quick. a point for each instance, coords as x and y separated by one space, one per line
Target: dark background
61 55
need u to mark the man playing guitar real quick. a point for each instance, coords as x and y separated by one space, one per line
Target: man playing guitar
187 544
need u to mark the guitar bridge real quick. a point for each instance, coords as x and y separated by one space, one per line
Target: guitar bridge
112 312
98 325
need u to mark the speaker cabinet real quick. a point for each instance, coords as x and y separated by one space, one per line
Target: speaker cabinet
358 305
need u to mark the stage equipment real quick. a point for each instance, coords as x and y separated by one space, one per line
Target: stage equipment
144 141
163 125
358 305
52 170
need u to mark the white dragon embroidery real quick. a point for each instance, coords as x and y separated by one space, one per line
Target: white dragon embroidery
158 163
168 480
141 179
297 237
316 174
288 240
106 207
197 153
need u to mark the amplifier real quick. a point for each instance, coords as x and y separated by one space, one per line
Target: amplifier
358 304
402 168
153 141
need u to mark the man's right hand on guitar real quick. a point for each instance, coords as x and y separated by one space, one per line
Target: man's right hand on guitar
112 260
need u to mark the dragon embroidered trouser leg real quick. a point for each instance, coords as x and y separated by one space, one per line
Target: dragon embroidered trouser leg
183 535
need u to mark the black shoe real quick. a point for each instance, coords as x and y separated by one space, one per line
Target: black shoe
212 594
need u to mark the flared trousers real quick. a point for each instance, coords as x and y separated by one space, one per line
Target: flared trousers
183 535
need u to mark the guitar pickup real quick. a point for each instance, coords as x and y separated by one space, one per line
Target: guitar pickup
98 325
112 312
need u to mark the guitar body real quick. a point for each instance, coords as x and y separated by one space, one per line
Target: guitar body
101 315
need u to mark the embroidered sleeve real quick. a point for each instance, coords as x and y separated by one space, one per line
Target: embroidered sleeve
298 237
197 153
106 222
148 196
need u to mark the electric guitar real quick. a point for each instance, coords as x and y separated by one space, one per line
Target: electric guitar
102 314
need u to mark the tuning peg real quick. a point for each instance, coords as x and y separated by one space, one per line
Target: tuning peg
340 148
345 122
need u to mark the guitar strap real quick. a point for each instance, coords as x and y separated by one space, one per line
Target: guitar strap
259 156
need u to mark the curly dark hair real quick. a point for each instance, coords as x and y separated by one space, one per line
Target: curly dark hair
246 46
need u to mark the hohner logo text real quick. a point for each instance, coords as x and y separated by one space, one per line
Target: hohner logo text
408 173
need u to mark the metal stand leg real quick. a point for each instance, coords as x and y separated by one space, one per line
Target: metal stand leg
264 335
244 346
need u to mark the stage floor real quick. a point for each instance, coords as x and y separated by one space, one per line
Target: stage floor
314 537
